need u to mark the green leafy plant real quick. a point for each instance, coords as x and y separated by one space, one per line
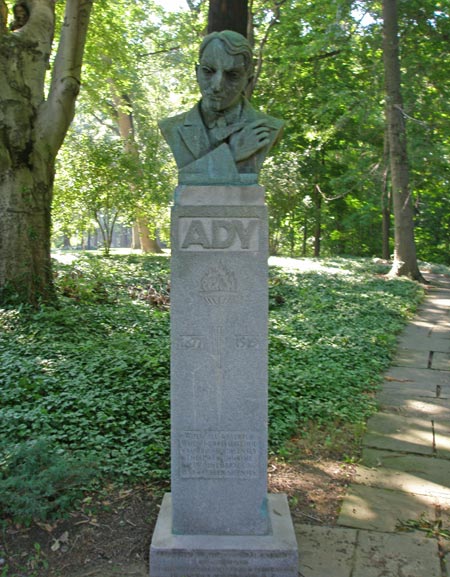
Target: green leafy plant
38 481
92 376
432 528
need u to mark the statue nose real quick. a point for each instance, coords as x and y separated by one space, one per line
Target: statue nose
217 81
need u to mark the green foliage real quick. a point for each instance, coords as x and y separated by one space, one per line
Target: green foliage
321 71
92 376
433 528
331 335
39 481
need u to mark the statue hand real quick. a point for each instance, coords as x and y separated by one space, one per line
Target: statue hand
249 140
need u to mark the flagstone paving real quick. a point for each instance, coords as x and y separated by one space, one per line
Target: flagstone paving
403 480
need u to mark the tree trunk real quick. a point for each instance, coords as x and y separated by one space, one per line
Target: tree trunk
405 260
305 235
386 202
3 17
317 200
25 264
32 130
386 224
125 123
148 242
228 15
135 241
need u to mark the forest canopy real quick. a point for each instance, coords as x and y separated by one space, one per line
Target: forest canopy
319 67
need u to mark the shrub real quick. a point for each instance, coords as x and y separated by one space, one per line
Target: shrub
39 481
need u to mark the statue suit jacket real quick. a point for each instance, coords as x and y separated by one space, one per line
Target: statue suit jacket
199 162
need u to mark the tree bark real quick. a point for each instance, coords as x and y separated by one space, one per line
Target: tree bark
147 241
32 130
228 15
3 17
386 201
135 241
405 259
317 200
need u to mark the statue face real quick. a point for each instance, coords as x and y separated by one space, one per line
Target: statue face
222 77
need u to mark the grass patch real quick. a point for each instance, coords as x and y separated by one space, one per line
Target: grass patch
91 377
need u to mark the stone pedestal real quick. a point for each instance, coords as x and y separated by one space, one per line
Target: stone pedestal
272 555
219 519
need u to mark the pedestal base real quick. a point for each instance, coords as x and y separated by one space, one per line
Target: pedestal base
273 555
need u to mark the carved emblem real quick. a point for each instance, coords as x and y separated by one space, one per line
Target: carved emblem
218 286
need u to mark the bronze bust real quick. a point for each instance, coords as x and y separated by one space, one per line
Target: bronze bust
222 139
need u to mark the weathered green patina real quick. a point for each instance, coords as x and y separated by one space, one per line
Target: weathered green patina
222 139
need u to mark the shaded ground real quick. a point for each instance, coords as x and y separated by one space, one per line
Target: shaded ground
111 536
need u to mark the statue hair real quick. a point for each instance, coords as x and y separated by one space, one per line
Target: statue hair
234 44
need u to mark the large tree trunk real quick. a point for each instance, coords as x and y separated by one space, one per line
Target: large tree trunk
32 130
405 259
228 15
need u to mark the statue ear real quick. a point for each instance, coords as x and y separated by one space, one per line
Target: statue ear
197 68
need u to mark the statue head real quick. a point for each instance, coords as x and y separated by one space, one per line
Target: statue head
225 69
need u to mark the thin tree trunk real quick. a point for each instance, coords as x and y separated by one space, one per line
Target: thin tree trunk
305 235
135 241
317 199
125 123
386 224
386 202
405 259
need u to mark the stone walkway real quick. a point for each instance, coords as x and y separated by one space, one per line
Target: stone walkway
404 477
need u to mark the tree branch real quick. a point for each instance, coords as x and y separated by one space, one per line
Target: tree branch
30 48
66 78
162 51
40 25
330 198
324 55
259 62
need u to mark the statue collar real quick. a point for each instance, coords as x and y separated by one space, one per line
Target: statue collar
229 116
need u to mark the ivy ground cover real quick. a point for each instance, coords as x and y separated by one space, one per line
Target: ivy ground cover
90 378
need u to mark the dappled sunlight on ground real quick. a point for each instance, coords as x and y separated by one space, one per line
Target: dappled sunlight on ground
414 482
431 409
442 303
69 256
306 265
414 436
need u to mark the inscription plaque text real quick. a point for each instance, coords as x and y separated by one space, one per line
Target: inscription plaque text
218 455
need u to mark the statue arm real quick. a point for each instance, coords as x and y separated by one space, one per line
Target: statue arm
217 166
